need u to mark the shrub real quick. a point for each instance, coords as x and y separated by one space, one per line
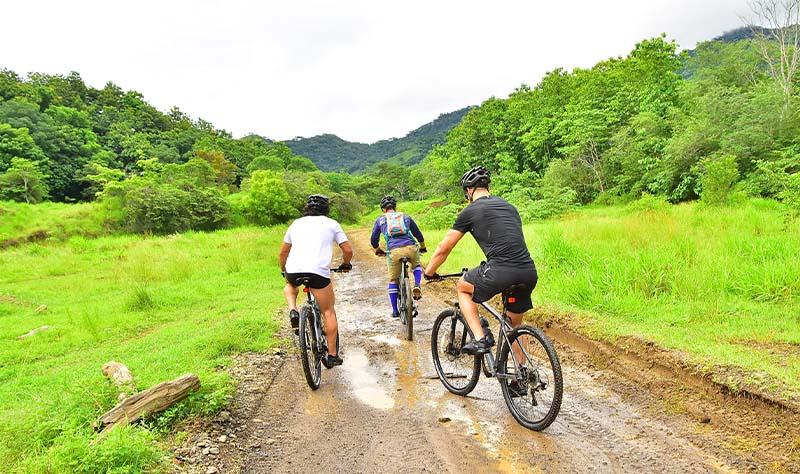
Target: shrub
441 217
266 201
23 182
346 207
541 202
719 176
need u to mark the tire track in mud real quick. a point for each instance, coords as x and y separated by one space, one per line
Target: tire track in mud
384 410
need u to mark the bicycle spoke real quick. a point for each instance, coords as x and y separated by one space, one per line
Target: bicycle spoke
458 372
533 387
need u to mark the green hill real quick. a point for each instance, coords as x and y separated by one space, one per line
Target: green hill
331 153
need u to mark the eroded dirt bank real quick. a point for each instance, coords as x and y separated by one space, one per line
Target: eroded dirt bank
384 410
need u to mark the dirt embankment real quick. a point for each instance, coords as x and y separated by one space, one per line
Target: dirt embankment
384 410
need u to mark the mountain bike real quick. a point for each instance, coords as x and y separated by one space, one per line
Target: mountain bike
525 362
405 299
313 342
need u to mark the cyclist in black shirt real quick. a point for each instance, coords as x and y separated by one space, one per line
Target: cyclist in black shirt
496 226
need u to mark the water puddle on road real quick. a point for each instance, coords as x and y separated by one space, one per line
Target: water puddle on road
491 436
386 339
357 372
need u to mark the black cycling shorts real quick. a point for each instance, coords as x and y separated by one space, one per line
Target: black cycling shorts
489 280
316 282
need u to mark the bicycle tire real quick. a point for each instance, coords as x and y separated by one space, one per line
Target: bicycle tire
409 308
308 351
449 333
543 389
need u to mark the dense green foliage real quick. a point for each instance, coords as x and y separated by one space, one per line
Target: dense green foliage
331 153
160 173
155 172
653 122
712 123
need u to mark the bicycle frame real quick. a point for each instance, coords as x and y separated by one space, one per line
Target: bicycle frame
317 322
405 302
505 329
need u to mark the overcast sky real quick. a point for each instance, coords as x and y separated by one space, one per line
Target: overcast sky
363 70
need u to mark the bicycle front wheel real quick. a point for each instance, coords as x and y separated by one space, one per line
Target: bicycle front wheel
408 309
530 377
308 341
458 372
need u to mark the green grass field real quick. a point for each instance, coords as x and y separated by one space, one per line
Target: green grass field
721 285
162 306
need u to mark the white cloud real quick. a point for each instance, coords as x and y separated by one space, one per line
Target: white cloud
359 69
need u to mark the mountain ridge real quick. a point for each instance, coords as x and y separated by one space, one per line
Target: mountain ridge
332 153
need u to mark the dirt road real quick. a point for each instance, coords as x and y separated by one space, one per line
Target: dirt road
384 410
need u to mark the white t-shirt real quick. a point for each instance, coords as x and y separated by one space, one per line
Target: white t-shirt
311 238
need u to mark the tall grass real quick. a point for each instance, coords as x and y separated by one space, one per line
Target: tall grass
19 221
721 284
162 306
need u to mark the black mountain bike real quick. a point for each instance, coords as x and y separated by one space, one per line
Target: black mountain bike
525 363
313 342
405 299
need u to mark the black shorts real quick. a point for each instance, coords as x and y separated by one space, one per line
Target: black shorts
489 280
316 282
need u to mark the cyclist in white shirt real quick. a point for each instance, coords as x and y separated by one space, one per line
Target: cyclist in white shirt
306 252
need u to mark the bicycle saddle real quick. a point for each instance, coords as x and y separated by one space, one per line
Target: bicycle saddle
519 287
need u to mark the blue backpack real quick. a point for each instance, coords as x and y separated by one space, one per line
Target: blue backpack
395 224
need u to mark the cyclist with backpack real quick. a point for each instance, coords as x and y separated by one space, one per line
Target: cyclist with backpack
306 252
399 230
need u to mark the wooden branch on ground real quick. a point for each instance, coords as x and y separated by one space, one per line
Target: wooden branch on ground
148 402
34 332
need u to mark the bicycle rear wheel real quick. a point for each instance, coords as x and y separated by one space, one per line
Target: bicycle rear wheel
532 385
458 372
408 309
308 348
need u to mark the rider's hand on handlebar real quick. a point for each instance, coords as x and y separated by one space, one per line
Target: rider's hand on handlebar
345 267
422 249
434 277
379 252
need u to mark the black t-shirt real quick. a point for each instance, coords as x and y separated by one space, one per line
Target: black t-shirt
497 228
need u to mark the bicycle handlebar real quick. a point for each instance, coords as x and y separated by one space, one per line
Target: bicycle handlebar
451 275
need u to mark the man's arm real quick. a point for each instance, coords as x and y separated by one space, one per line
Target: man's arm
416 232
375 238
347 252
283 255
443 250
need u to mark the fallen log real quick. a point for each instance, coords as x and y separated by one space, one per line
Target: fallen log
122 378
34 332
148 402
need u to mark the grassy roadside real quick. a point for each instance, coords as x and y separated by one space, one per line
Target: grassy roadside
163 306
720 285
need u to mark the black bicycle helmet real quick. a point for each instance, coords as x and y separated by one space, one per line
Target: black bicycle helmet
388 202
317 205
476 176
